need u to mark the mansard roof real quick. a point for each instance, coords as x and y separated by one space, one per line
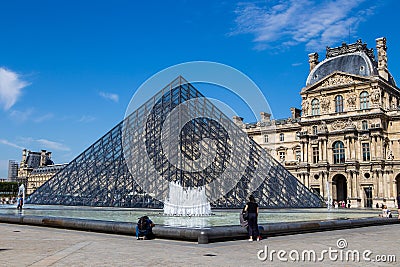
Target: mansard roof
353 59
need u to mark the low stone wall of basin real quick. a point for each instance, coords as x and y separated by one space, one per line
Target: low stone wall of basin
200 235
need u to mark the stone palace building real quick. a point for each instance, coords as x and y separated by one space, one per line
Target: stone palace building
345 141
36 168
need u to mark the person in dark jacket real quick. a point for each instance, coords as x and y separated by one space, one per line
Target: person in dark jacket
144 228
252 210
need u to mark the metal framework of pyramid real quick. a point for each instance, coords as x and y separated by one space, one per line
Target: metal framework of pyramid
112 172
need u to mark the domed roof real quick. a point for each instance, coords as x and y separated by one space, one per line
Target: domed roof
354 59
357 63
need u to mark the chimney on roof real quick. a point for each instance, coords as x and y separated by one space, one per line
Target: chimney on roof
313 60
24 156
265 117
382 58
295 113
43 158
238 120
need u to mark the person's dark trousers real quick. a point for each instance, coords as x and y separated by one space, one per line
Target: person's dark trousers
253 227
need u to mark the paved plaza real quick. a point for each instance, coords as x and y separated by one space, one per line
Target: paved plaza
23 245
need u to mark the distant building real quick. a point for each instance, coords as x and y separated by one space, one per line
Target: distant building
12 170
36 168
346 141
41 175
30 161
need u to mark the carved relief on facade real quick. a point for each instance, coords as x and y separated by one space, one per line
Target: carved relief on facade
351 100
304 107
323 128
375 96
350 124
382 54
390 155
337 79
338 125
325 104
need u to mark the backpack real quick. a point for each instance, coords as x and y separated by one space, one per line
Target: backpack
143 223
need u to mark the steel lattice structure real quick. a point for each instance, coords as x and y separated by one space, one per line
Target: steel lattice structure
113 171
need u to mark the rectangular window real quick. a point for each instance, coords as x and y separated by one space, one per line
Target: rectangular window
281 137
315 152
282 155
315 130
366 152
298 155
265 138
365 125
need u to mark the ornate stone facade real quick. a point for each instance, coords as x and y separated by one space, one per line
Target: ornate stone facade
347 139
36 168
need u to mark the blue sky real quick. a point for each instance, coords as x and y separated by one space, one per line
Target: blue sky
68 69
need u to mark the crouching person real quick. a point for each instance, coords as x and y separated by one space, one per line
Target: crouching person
144 228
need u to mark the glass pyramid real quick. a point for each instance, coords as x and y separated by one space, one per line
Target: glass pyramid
134 164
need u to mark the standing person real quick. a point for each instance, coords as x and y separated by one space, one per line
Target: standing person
252 210
398 204
20 202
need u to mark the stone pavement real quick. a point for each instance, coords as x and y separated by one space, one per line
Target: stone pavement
24 245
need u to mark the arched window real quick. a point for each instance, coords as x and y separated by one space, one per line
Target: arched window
364 100
338 152
315 107
339 104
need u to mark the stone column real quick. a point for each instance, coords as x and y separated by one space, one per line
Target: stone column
348 149
354 182
331 189
307 178
389 186
351 141
376 185
326 150
385 182
307 148
380 179
349 186
378 150
373 148
357 144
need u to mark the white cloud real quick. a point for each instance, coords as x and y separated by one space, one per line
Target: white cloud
5 142
21 116
87 118
10 88
42 144
44 117
51 145
110 96
281 24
